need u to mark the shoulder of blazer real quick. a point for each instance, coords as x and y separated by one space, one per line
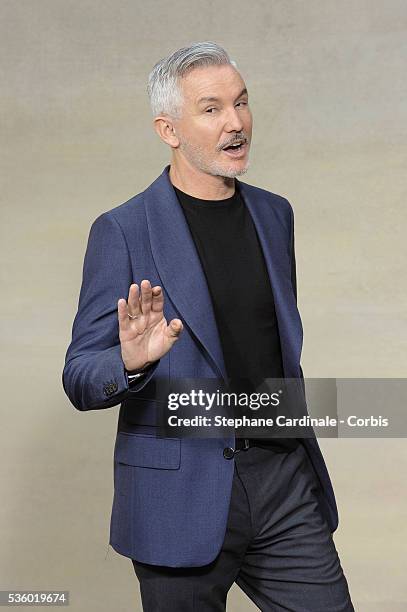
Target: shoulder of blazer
274 199
129 208
129 215
280 206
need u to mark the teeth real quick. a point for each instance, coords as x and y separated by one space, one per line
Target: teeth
235 144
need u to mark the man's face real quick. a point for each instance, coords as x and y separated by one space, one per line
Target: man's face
215 114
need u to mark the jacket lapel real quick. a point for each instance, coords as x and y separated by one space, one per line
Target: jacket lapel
179 266
269 221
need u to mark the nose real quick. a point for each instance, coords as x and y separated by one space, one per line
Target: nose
234 122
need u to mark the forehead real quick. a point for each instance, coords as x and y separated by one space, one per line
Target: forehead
211 81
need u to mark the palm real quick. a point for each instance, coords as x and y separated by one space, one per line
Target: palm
147 337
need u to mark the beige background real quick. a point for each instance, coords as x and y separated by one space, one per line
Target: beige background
328 93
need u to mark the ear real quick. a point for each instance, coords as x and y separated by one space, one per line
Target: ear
165 129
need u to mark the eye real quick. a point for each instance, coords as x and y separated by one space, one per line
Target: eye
210 109
244 103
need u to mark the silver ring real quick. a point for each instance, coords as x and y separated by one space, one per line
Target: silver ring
132 316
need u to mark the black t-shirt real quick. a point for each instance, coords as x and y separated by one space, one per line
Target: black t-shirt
239 285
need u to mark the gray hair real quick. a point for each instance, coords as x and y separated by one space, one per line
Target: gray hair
163 81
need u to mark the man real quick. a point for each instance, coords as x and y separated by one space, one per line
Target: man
217 299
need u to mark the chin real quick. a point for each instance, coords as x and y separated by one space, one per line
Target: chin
234 170
230 170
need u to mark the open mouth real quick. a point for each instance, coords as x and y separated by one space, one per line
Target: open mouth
235 150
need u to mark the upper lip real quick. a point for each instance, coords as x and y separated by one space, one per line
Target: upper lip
240 141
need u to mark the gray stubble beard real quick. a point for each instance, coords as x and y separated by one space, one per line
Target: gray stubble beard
195 156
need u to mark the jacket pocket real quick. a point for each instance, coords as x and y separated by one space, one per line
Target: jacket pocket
147 451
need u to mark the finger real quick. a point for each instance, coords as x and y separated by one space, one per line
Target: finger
158 299
133 303
174 330
146 296
124 321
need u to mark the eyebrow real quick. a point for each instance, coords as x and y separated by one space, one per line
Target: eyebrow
214 99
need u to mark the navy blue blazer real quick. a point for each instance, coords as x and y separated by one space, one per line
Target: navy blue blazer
171 495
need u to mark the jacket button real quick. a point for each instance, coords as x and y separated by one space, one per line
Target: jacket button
110 388
228 452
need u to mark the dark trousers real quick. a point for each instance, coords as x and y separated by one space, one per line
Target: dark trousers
277 548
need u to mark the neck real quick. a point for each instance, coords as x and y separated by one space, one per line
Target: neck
199 184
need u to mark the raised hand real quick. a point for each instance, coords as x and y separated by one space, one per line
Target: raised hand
144 334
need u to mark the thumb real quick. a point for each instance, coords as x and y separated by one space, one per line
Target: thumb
174 329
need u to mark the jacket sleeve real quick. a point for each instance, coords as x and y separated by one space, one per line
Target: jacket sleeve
94 375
